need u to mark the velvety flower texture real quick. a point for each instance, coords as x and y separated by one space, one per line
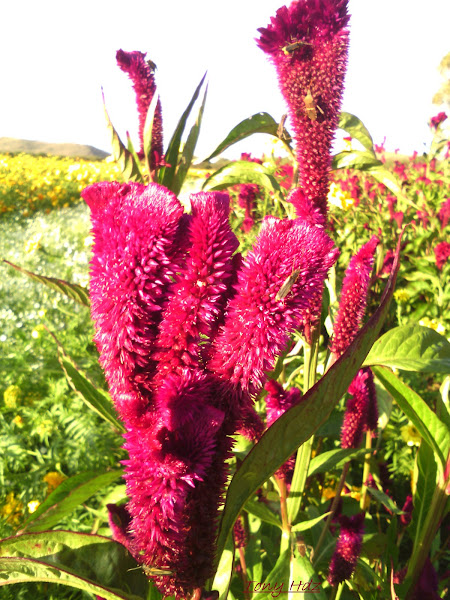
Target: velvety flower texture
308 45
442 253
142 75
186 331
361 412
352 304
348 548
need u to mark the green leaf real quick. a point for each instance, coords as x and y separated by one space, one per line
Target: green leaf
309 523
188 150
355 159
166 175
387 178
242 171
73 290
385 500
97 400
425 487
263 512
258 123
224 572
333 459
277 580
67 496
303 573
148 129
430 427
92 563
411 348
128 165
356 129
297 425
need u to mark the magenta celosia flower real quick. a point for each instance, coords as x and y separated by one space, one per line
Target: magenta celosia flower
308 45
442 253
348 548
278 401
247 195
361 412
427 586
353 300
239 534
259 321
437 120
407 509
444 213
142 75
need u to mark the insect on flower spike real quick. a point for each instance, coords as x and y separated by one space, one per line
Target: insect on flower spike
311 107
294 46
287 285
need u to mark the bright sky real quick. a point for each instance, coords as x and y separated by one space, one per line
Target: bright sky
57 54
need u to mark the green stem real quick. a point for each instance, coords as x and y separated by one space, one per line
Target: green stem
366 470
286 532
431 525
334 506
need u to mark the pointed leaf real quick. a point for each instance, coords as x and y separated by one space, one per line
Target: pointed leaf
148 128
263 512
333 459
224 572
242 171
297 424
277 580
385 500
411 348
259 123
73 290
308 524
355 159
67 496
91 563
166 175
129 167
387 178
430 427
189 149
96 399
425 488
304 579
356 128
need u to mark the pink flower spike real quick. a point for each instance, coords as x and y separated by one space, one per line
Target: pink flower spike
287 254
308 45
142 75
442 253
361 413
353 300
348 549
136 252
198 295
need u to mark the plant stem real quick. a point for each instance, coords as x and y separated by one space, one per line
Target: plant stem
366 471
244 572
334 506
286 533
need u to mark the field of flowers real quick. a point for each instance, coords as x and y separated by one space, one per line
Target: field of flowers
271 414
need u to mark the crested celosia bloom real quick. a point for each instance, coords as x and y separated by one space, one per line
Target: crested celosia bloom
444 213
142 75
348 548
442 253
308 45
437 120
352 304
361 412
186 332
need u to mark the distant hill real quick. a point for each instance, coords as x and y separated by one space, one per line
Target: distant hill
15 146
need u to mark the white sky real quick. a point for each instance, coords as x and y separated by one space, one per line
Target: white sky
56 54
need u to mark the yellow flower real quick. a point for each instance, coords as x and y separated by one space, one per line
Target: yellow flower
339 198
18 421
401 296
33 505
432 324
33 243
11 396
53 479
11 511
410 435
44 428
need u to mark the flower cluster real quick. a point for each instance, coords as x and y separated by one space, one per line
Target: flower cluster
442 253
187 330
308 44
348 548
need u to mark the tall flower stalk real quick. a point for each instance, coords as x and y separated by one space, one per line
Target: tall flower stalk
308 45
186 334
